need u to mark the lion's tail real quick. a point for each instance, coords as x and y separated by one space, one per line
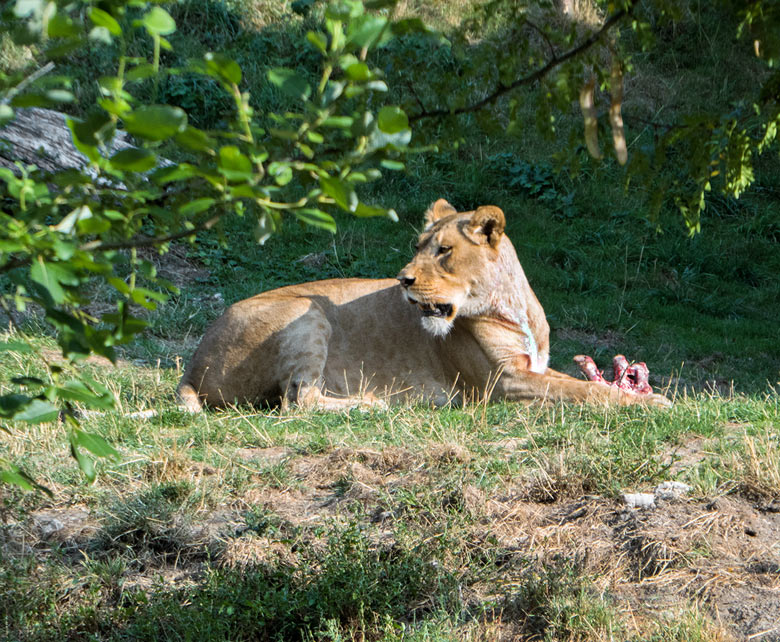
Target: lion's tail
188 398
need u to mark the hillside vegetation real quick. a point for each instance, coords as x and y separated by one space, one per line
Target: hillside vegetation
491 521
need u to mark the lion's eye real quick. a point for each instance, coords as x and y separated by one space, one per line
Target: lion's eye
444 249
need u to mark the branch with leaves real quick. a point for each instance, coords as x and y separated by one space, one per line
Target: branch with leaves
555 61
63 229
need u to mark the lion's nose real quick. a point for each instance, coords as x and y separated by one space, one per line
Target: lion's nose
406 281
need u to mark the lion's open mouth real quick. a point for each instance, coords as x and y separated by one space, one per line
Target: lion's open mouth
435 310
440 310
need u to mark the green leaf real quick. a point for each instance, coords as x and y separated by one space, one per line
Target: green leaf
281 172
141 72
410 25
343 10
284 134
61 25
332 91
393 165
223 68
95 444
50 276
158 22
289 82
234 165
42 99
316 218
340 192
119 285
197 206
339 122
100 34
155 122
196 140
78 391
94 225
244 190
319 41
367 211
392 120
147 298
86 465
366 30
18 477
101 18
37 411
359 72
60 96
180 172
134 160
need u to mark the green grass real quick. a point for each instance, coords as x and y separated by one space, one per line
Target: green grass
390 524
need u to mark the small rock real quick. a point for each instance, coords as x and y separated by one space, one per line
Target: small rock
48 526
671 490
639 500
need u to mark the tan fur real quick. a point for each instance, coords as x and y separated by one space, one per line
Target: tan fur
346 342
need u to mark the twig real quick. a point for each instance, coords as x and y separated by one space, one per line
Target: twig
544 36
146 241
27 82
139 241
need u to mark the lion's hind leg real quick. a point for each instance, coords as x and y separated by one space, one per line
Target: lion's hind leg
304 346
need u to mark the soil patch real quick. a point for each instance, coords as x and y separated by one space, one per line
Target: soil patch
722 553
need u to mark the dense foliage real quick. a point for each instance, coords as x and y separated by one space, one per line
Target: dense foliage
60 231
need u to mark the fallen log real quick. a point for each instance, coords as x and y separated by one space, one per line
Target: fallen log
41 137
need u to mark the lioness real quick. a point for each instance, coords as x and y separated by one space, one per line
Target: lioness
474 329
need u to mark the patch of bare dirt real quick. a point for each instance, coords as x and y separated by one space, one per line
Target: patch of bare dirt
688 454
607 340
722 553
69 527
175 266
264 455
55 356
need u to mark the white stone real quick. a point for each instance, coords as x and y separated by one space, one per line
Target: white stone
639 500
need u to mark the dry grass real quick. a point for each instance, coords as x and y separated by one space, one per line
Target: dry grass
523 503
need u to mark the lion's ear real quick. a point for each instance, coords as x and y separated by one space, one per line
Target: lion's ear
487 224
437 210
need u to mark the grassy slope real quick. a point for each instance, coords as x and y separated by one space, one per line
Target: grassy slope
412 524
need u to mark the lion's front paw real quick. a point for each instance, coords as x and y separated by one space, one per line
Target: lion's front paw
659 401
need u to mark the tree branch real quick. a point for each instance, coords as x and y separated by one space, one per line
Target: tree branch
138 241
544 37
27 82
148 241
540 73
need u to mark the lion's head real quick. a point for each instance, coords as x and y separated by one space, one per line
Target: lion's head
464 266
